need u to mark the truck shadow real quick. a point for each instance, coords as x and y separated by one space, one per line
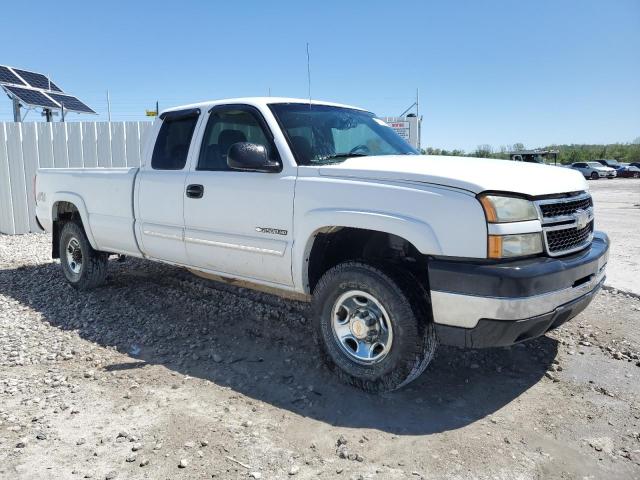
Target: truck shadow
261 346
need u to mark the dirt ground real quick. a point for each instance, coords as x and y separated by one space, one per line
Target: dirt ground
162 375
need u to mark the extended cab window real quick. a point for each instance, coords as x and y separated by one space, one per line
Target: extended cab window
174 138
226 127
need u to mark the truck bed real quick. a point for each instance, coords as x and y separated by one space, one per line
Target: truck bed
105 195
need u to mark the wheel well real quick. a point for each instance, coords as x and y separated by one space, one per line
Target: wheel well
62 212
334 245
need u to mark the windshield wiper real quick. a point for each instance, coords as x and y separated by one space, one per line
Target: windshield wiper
344 155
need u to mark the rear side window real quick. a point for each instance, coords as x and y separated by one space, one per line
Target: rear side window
174 138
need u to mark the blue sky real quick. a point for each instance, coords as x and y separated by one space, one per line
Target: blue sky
489 72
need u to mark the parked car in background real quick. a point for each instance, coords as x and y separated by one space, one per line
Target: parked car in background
609 163
626 170
594 170
635 164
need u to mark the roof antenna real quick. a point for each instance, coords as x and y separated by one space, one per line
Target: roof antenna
309 74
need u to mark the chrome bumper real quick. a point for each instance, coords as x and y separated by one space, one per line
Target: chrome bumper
465 292
466 310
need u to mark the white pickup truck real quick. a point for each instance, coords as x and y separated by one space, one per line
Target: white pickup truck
397 251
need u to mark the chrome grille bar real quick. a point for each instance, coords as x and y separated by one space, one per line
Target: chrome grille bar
567 223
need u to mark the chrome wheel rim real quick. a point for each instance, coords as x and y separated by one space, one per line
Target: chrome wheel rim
361 327
74 255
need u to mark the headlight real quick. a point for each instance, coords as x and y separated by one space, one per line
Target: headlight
499 209
509 246
503 209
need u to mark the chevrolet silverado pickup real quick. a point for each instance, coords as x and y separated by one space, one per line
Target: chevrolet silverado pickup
398 252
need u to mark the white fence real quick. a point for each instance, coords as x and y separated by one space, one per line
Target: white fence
25 147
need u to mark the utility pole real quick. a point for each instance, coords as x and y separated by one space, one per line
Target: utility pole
157 109
108 107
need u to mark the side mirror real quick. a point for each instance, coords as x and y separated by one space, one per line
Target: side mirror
250 157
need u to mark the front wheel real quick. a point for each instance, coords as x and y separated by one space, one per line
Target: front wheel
83 267
374 325
594 176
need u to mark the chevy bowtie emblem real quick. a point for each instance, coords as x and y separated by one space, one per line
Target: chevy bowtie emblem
582 218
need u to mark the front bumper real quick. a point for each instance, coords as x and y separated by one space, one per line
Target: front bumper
497 304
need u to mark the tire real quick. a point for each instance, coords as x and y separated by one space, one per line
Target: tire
83 267
594 176
404 309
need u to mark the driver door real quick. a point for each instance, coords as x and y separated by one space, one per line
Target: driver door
240 223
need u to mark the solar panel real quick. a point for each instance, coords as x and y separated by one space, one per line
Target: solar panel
37 90
37 80
7 76
70 103
31 97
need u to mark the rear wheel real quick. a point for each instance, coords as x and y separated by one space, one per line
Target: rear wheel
374 325
594 176
83 267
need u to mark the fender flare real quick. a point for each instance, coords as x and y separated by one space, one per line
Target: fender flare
415 231
78 202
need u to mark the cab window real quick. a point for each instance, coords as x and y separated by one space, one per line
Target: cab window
226 127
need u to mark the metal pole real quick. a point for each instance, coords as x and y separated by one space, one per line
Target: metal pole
309 73
16 110
418 116
157 109
108 107
62 112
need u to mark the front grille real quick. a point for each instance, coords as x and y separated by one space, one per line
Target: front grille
565 208
567 223
567 239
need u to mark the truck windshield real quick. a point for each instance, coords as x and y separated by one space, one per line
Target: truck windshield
321 134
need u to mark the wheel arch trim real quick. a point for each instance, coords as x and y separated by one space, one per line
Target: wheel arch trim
420 234
77 201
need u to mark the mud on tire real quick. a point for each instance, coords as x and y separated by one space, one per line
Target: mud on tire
405 303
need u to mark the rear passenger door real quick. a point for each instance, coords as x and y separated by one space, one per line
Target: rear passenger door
240 225
160 189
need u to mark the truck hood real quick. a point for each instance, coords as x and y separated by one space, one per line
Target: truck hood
473 174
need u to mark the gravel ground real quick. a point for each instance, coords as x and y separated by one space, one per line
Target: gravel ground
163 375
617 205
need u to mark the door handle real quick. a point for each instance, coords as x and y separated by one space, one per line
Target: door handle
195 191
